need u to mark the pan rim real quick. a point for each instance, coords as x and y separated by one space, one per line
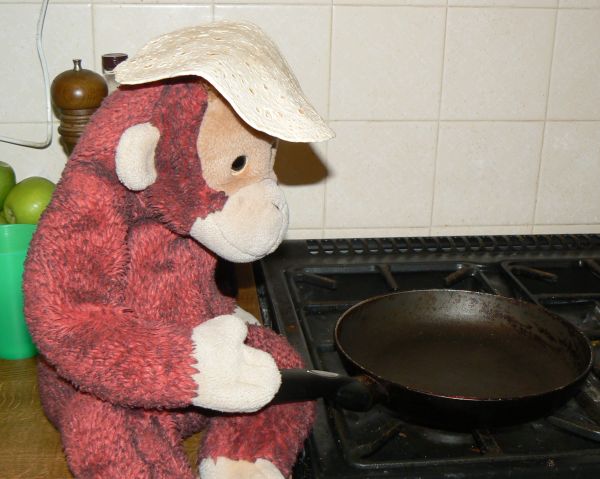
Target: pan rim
520 303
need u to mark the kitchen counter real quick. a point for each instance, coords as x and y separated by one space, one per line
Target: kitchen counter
30 447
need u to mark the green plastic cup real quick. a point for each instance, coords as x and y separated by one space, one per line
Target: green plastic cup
15 341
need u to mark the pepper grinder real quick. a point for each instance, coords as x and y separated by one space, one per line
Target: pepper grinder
76 95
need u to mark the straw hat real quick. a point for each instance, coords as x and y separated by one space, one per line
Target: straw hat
243 65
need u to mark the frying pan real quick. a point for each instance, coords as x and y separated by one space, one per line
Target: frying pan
450 358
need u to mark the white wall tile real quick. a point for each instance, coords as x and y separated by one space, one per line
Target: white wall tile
27 162
145 2
486 173
115 31
302 33
579 3
381 175
22 83
503 3
67 35
386 62
575 84
302 172
497 63
277 2
39 2
418 3
480 230
374 232
566 229
568 190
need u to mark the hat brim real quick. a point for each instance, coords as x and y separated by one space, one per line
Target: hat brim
243 65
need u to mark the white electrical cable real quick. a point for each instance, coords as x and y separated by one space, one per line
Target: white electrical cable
42 58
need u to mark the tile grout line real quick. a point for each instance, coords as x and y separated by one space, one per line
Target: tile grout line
328 113
97 67
541 157
437 135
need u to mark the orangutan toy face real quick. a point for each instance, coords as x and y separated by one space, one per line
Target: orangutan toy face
238 160
207 173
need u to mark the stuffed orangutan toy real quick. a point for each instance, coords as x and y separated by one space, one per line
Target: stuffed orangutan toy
138 346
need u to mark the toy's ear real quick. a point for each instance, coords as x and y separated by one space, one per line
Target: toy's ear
135 156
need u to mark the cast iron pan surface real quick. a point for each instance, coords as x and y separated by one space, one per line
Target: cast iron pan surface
462 358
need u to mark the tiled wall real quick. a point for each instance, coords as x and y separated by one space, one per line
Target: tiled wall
452 116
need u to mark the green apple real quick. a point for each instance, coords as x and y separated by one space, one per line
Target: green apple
2 218
27 200
7 181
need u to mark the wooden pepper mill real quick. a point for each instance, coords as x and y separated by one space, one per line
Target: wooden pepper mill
76 95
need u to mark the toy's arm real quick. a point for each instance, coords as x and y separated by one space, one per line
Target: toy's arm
75 283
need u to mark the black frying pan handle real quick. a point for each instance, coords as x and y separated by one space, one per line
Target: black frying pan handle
358 393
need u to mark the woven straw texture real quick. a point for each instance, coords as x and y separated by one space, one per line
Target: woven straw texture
244 66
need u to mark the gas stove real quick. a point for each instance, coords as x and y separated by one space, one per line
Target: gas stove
306 285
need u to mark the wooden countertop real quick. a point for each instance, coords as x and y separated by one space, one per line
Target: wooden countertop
30 447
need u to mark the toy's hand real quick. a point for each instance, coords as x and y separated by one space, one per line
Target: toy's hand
224 468
232 377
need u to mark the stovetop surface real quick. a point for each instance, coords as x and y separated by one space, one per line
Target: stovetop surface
306 285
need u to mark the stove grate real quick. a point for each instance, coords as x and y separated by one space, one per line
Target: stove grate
453 244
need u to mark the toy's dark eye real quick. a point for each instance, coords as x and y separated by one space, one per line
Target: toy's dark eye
239 163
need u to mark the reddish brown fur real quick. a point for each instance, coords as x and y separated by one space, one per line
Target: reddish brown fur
114 287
